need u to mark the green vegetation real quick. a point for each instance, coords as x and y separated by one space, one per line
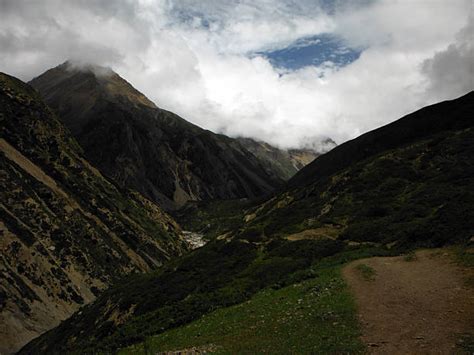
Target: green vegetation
465 344
313 316
411 256
367 272
219 275
311 310
409 184
464 255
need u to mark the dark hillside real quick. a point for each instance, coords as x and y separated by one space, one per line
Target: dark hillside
66 232
409 183
449 115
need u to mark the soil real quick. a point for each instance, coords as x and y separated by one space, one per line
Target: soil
422 306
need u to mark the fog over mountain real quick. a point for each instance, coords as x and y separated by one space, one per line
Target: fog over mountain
285 72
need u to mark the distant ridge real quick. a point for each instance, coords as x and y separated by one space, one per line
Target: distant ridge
284 162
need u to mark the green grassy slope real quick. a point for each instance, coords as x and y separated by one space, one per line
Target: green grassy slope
313 316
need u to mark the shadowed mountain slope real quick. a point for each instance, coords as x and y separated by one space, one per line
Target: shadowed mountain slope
426 122
410 182
66 232
152 150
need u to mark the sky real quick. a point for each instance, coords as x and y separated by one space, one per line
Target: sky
288 72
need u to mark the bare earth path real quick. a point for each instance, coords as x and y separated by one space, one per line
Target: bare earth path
413 307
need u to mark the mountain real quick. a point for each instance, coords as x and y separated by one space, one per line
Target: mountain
405 188
154 151
409 182
67 233
425 123
284 163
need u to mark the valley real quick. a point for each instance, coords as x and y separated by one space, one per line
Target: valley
69 231
216 255
187 177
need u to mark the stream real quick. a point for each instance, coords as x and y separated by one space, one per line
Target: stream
196 240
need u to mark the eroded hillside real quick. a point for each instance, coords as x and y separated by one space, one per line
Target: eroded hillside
67 233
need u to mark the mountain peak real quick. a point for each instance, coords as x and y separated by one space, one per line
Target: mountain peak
84 67
91 81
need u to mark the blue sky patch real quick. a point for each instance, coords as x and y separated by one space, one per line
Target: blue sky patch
313 51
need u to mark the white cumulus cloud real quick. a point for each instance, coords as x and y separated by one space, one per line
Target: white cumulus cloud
197 58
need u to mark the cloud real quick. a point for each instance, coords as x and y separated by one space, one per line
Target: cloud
196 58
450 72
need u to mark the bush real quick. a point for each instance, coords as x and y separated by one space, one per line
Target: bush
308 250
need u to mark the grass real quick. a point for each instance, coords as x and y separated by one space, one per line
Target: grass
411 256
314 316
465 344
367 272
464 256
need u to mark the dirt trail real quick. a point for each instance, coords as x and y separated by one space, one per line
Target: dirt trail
422 306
